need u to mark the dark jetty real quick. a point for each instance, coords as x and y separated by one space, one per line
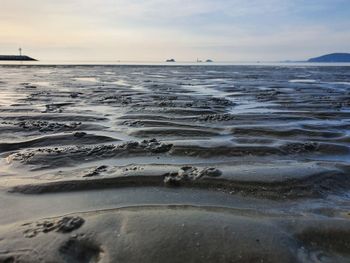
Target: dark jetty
16 58
335 57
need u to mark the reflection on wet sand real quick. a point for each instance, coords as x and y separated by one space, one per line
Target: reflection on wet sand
192 163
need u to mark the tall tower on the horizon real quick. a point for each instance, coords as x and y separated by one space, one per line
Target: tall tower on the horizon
20 51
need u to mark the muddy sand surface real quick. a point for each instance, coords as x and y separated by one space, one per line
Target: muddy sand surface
174 164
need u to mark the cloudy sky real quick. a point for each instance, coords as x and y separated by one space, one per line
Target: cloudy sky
153 30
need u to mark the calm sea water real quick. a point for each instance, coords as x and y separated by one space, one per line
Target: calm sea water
158 63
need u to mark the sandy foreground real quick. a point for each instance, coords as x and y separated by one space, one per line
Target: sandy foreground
174 164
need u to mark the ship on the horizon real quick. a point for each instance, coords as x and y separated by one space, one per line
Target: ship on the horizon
170 60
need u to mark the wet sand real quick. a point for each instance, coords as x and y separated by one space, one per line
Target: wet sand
174 164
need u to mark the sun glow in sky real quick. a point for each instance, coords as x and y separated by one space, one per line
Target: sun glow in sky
153 30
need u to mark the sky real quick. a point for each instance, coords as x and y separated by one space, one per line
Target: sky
155 30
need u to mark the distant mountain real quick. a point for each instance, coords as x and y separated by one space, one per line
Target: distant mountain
335 57
15 58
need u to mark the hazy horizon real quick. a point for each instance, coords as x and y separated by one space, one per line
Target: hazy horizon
154 30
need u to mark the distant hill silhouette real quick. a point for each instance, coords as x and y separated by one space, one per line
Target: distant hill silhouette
335 57
15 58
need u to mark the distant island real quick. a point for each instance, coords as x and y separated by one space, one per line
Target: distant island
16 58
170 60
207 61
334 57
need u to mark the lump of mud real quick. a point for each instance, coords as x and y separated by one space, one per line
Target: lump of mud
188 174
133 123
96 171
155 146
79 134
55 108
64 225
295 148
45 126
152 145
75 95
57 155
217 117
211 172
68 224
80 250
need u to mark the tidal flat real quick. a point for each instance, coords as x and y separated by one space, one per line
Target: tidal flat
174 163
